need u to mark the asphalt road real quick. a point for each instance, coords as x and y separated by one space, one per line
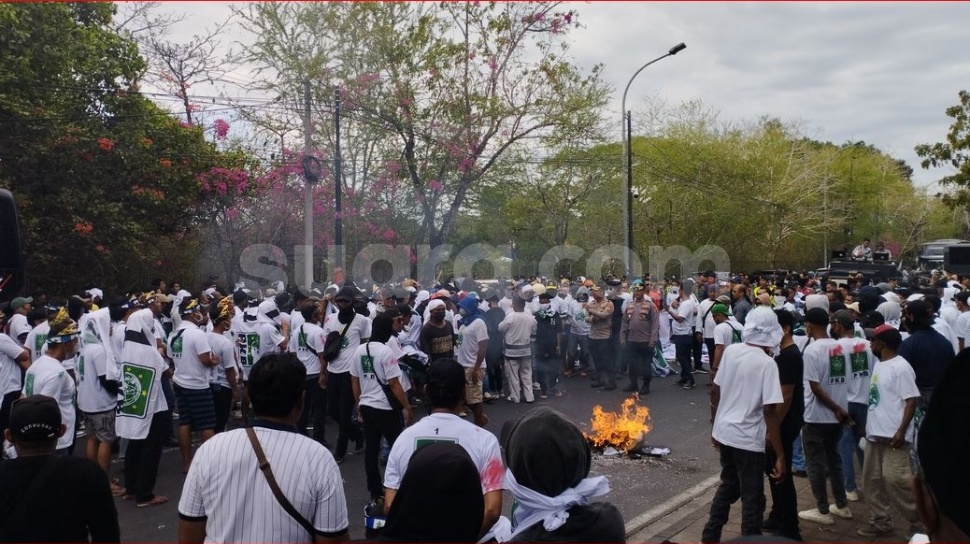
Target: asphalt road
679 419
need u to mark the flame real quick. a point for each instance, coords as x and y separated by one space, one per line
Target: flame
623 431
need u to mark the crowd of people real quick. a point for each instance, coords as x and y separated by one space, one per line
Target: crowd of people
800 370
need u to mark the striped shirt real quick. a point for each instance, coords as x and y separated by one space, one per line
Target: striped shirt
225 488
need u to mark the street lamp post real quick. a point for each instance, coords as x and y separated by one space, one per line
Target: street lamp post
627 135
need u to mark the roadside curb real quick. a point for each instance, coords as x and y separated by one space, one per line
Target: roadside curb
655 516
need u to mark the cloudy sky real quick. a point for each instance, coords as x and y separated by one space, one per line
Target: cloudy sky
879 72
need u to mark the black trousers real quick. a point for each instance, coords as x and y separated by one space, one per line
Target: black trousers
696 351
639 357
142 458
602 352
168 428
340 404
784 501
314 408
742 477
494 364
378 424
709 342
222 398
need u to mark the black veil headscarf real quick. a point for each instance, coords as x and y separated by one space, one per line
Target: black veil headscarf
440 498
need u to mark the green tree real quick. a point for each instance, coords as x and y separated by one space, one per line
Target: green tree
954 153
443 91
106 181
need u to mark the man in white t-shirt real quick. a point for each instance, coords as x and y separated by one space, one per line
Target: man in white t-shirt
745 398
97 387
18 327
446 389
355 329
470 352
307 341
226 499
223 376
189 349
47 375
861 362
13 358
376 378
36 341
727 331
961 326
683 311
886 473
704 324
826 410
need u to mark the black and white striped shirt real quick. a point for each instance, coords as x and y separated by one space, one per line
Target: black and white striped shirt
225 488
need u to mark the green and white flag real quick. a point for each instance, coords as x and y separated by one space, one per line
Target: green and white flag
137 383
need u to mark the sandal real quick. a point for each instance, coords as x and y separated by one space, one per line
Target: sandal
156 500
118 491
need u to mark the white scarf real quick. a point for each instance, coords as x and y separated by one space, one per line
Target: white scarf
534 507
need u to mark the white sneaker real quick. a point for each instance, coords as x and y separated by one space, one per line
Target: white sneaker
843 513
852 496
816 516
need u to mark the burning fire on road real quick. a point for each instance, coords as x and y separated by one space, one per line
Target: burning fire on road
613 433
622 430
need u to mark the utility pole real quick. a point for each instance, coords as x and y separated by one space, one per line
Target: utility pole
308 189
629 195
338 230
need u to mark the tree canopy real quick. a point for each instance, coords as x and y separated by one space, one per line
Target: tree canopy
107 183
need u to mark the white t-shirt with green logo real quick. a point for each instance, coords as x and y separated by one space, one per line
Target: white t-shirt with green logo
47 376
254 339
359 328
467 344
861 363
223 348
379 366
893 383
37 340
185 347
826 364
9 367
92 398
481 445
307 342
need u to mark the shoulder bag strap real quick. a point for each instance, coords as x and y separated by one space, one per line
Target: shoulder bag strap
306 340
275 487
376 377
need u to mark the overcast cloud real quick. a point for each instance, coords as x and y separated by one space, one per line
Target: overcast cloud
879 72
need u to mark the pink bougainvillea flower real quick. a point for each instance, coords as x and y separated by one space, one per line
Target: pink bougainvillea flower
221 128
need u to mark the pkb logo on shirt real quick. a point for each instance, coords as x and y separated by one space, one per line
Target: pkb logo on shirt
177 346
860 361
367 365
248 348
836 367
873 394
